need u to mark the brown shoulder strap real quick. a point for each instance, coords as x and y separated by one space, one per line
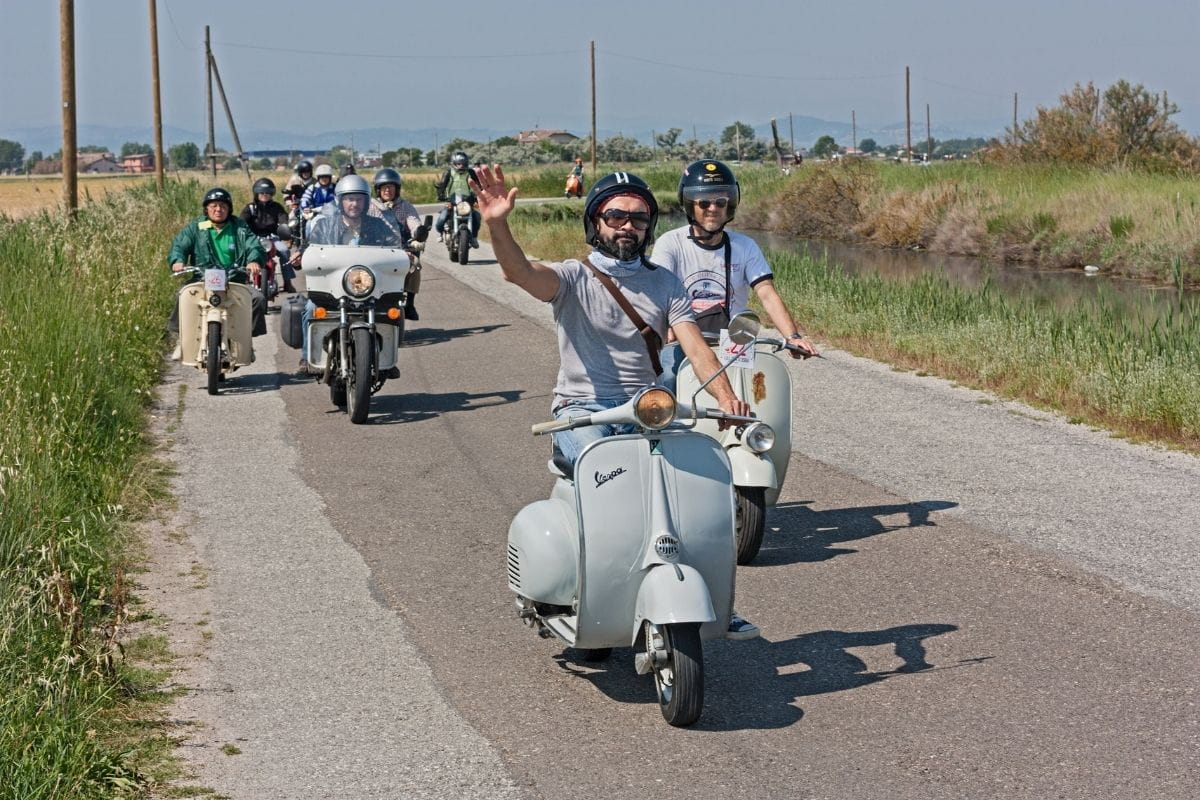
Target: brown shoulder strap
653 340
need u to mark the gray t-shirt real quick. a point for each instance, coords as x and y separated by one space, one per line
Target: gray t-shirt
602 354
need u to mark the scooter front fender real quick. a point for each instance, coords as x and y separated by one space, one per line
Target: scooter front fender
672 593
751 469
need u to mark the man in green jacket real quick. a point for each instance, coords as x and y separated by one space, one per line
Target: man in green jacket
220 239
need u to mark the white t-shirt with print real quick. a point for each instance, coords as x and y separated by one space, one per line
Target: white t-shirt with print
702 269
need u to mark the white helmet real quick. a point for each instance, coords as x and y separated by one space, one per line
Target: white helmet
324 169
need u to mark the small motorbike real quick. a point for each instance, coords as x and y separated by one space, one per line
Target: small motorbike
355 331
215 322
615 558
457 233
759 466
574 187
266 281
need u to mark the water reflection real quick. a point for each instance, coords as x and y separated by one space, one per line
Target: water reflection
1062 288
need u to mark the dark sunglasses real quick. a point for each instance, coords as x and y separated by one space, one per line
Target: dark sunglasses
616 218
719 202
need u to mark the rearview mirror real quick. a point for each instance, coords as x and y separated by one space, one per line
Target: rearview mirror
744 328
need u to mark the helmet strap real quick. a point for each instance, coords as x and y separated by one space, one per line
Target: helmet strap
709 238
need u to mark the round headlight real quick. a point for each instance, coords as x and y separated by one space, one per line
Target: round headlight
655 408
463 208
759 437
358 281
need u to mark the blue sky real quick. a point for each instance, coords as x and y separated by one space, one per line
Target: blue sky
517 64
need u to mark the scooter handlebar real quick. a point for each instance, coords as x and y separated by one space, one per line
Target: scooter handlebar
554 425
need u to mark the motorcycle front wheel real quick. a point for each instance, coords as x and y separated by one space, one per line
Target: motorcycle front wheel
212 361
464 245
358 388
751 521
678 672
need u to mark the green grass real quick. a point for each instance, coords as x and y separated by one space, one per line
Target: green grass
81 337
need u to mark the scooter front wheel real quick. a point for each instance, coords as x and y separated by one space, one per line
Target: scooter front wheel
213 357
751 521
677 656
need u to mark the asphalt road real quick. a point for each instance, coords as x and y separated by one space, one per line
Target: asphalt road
958 599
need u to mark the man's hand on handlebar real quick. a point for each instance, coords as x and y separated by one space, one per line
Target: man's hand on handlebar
253 269
732 406
178 266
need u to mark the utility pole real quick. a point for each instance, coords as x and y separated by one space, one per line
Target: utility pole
907 115
229 116
737 137
1014 129
592 50
654 144
928 136
791 134
853 130
158 144
66 34
211 147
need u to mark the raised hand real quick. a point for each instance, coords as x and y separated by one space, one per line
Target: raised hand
496 200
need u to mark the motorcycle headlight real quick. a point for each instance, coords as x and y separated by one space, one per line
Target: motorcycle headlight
358 282
654 408
463 208
759 437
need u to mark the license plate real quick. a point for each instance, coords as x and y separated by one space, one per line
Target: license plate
743 355
214 280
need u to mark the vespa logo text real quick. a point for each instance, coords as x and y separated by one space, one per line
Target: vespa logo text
604 477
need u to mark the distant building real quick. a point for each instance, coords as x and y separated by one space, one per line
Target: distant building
138 162
85 160
543 135
99 166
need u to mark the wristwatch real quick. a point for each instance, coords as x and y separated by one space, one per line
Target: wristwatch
797 335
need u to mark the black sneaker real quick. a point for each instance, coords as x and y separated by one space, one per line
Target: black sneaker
740 628
410 313
289 288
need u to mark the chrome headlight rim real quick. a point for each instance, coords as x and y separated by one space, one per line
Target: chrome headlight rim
354 272
463 208
758 437
649 405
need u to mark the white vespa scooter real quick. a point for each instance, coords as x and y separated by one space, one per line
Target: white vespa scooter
762 379
636 548
215 323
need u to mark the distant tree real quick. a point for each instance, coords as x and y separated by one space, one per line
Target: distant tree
281 163
504 141
389 158
825 147
90 148
12 155
134 148
731 133
233 163
184 156
867 146
431 158
338 155
33 159
1140 121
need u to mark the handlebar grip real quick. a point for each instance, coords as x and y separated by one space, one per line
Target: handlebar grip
551 426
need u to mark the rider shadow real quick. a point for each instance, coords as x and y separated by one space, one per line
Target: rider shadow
252 384
797 533
754 685
393 409
422 337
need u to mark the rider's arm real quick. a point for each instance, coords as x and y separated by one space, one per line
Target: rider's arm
705 364
781 318
441 185
183 247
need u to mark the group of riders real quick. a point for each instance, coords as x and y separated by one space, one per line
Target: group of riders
693 280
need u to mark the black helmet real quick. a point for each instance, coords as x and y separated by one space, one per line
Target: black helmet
217 194
459 160
348 169
304 166
264 186
708 178
617 183
385 176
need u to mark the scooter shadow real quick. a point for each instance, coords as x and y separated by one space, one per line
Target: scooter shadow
252 384
754 685
797 534
393 409
422 337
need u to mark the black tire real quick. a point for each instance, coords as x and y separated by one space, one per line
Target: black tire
213 357
337 393
358 386
451 247
751 521
593 655
680 682
464 244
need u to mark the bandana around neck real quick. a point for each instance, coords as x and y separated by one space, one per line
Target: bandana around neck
610 266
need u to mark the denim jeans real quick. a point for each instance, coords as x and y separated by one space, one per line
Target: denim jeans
439 224
671 358
571 443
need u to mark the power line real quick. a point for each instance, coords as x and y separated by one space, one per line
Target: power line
962 88
404 56
751 75
175 28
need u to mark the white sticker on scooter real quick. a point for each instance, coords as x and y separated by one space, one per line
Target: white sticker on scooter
214 280
744 353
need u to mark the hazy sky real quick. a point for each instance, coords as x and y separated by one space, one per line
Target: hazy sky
516 64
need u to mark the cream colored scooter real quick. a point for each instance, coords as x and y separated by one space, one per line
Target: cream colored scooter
215 323
635 545
759 461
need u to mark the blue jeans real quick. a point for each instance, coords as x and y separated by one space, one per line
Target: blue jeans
671 358
439 224
572 443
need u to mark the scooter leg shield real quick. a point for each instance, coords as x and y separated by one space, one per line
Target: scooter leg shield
543 553
191 322
751 469
672 593
240 324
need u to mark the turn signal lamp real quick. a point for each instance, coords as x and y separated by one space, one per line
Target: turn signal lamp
393 313
320 313
655 408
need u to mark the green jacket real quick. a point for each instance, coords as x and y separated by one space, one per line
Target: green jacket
193 246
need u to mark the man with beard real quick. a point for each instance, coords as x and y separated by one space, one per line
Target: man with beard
603 357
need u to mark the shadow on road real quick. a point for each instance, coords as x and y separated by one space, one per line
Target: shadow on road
797 533
754 685
399 408
422 337
252 384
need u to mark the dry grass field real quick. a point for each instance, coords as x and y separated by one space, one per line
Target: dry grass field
21 196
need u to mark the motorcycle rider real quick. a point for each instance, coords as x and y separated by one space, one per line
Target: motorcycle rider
319 193
457 180
264 216
217 238
302 177
603 357
401 215
347 224
577 173
702 253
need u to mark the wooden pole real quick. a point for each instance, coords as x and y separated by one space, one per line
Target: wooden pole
854 130
592 50
928 136
791 134
229 116
907 115
66 31
1014 132
211 147
154 90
